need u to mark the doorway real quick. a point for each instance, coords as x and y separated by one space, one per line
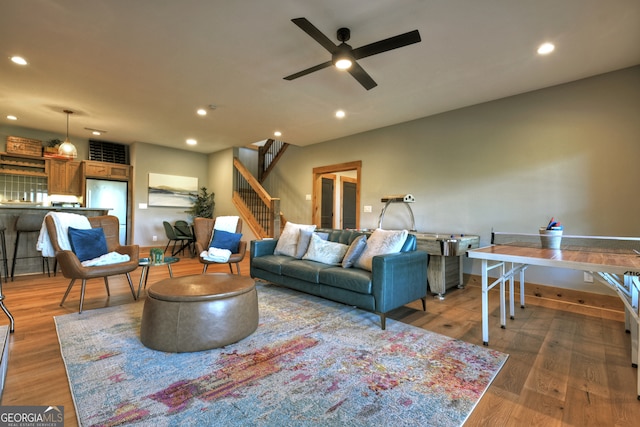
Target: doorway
343 210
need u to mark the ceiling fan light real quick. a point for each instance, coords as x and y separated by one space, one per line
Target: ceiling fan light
343 63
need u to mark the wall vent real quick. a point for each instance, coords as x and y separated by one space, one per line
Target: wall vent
111 152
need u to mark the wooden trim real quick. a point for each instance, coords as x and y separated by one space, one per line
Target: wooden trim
316 187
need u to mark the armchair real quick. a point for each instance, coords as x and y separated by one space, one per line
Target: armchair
73 269
203 230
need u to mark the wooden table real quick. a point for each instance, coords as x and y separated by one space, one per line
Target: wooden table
619 272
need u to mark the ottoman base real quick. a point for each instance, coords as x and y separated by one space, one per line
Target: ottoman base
211 318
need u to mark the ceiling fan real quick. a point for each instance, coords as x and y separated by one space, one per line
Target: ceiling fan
344 56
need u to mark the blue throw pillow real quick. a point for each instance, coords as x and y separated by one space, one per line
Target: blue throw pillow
88 244
225 240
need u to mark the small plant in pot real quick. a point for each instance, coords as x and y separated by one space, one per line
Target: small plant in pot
203 204
51 146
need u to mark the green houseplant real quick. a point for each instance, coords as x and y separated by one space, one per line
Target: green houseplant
203 204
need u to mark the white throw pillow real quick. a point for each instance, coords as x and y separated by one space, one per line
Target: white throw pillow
305 239
288 240
324 251
381 242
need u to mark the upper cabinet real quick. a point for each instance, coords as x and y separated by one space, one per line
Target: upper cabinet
65 177
114 171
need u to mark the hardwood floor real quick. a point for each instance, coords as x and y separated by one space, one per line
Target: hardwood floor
569 364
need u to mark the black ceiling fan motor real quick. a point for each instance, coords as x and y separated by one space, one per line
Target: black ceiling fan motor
344 34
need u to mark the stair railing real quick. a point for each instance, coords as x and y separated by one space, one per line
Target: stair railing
268 156
260 210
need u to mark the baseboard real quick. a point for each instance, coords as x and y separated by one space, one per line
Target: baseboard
570 296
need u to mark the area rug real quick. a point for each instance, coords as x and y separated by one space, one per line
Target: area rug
310 362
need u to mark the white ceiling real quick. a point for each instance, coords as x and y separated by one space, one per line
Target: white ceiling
140 69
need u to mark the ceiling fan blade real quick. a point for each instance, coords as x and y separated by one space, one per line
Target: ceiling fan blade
315 33
309 70
361 76
387 44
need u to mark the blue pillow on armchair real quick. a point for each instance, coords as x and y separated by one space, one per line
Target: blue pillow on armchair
225 240
88 243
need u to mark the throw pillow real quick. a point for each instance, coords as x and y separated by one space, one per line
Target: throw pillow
324 251
288 241
304 239
88 243
355 250
225 240
381 242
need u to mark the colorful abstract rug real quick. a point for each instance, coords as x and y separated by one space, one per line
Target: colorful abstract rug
310 362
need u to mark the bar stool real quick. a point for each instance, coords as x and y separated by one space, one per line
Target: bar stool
28 223
3 248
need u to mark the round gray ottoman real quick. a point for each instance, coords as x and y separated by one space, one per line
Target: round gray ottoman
200 312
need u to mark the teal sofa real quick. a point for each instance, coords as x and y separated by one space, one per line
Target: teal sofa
395 279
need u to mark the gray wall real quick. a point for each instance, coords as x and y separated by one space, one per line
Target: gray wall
148 158
569 151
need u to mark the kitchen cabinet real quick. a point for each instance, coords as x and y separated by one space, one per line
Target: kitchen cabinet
65 177
113 171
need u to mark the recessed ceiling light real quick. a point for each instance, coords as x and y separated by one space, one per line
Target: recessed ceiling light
202 112
96 131
546 48
19 60
277 133
191 141
10 117
340 114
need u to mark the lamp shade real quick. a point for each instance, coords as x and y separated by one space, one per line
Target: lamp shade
67 149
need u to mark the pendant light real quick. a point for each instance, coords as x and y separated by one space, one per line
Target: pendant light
67 149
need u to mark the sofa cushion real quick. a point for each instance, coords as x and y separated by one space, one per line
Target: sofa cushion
352 279
271 263
355 250
324 251
381 242
308 271
305 239
288 241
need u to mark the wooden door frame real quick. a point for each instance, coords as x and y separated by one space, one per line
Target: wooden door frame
316 187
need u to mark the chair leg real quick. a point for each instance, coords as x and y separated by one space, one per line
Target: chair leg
84 285
68 290
133 292
15 252
237 267
204 269
45 262
166 247
106 285
3 242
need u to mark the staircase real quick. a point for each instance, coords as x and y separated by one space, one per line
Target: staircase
260 211
268 156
